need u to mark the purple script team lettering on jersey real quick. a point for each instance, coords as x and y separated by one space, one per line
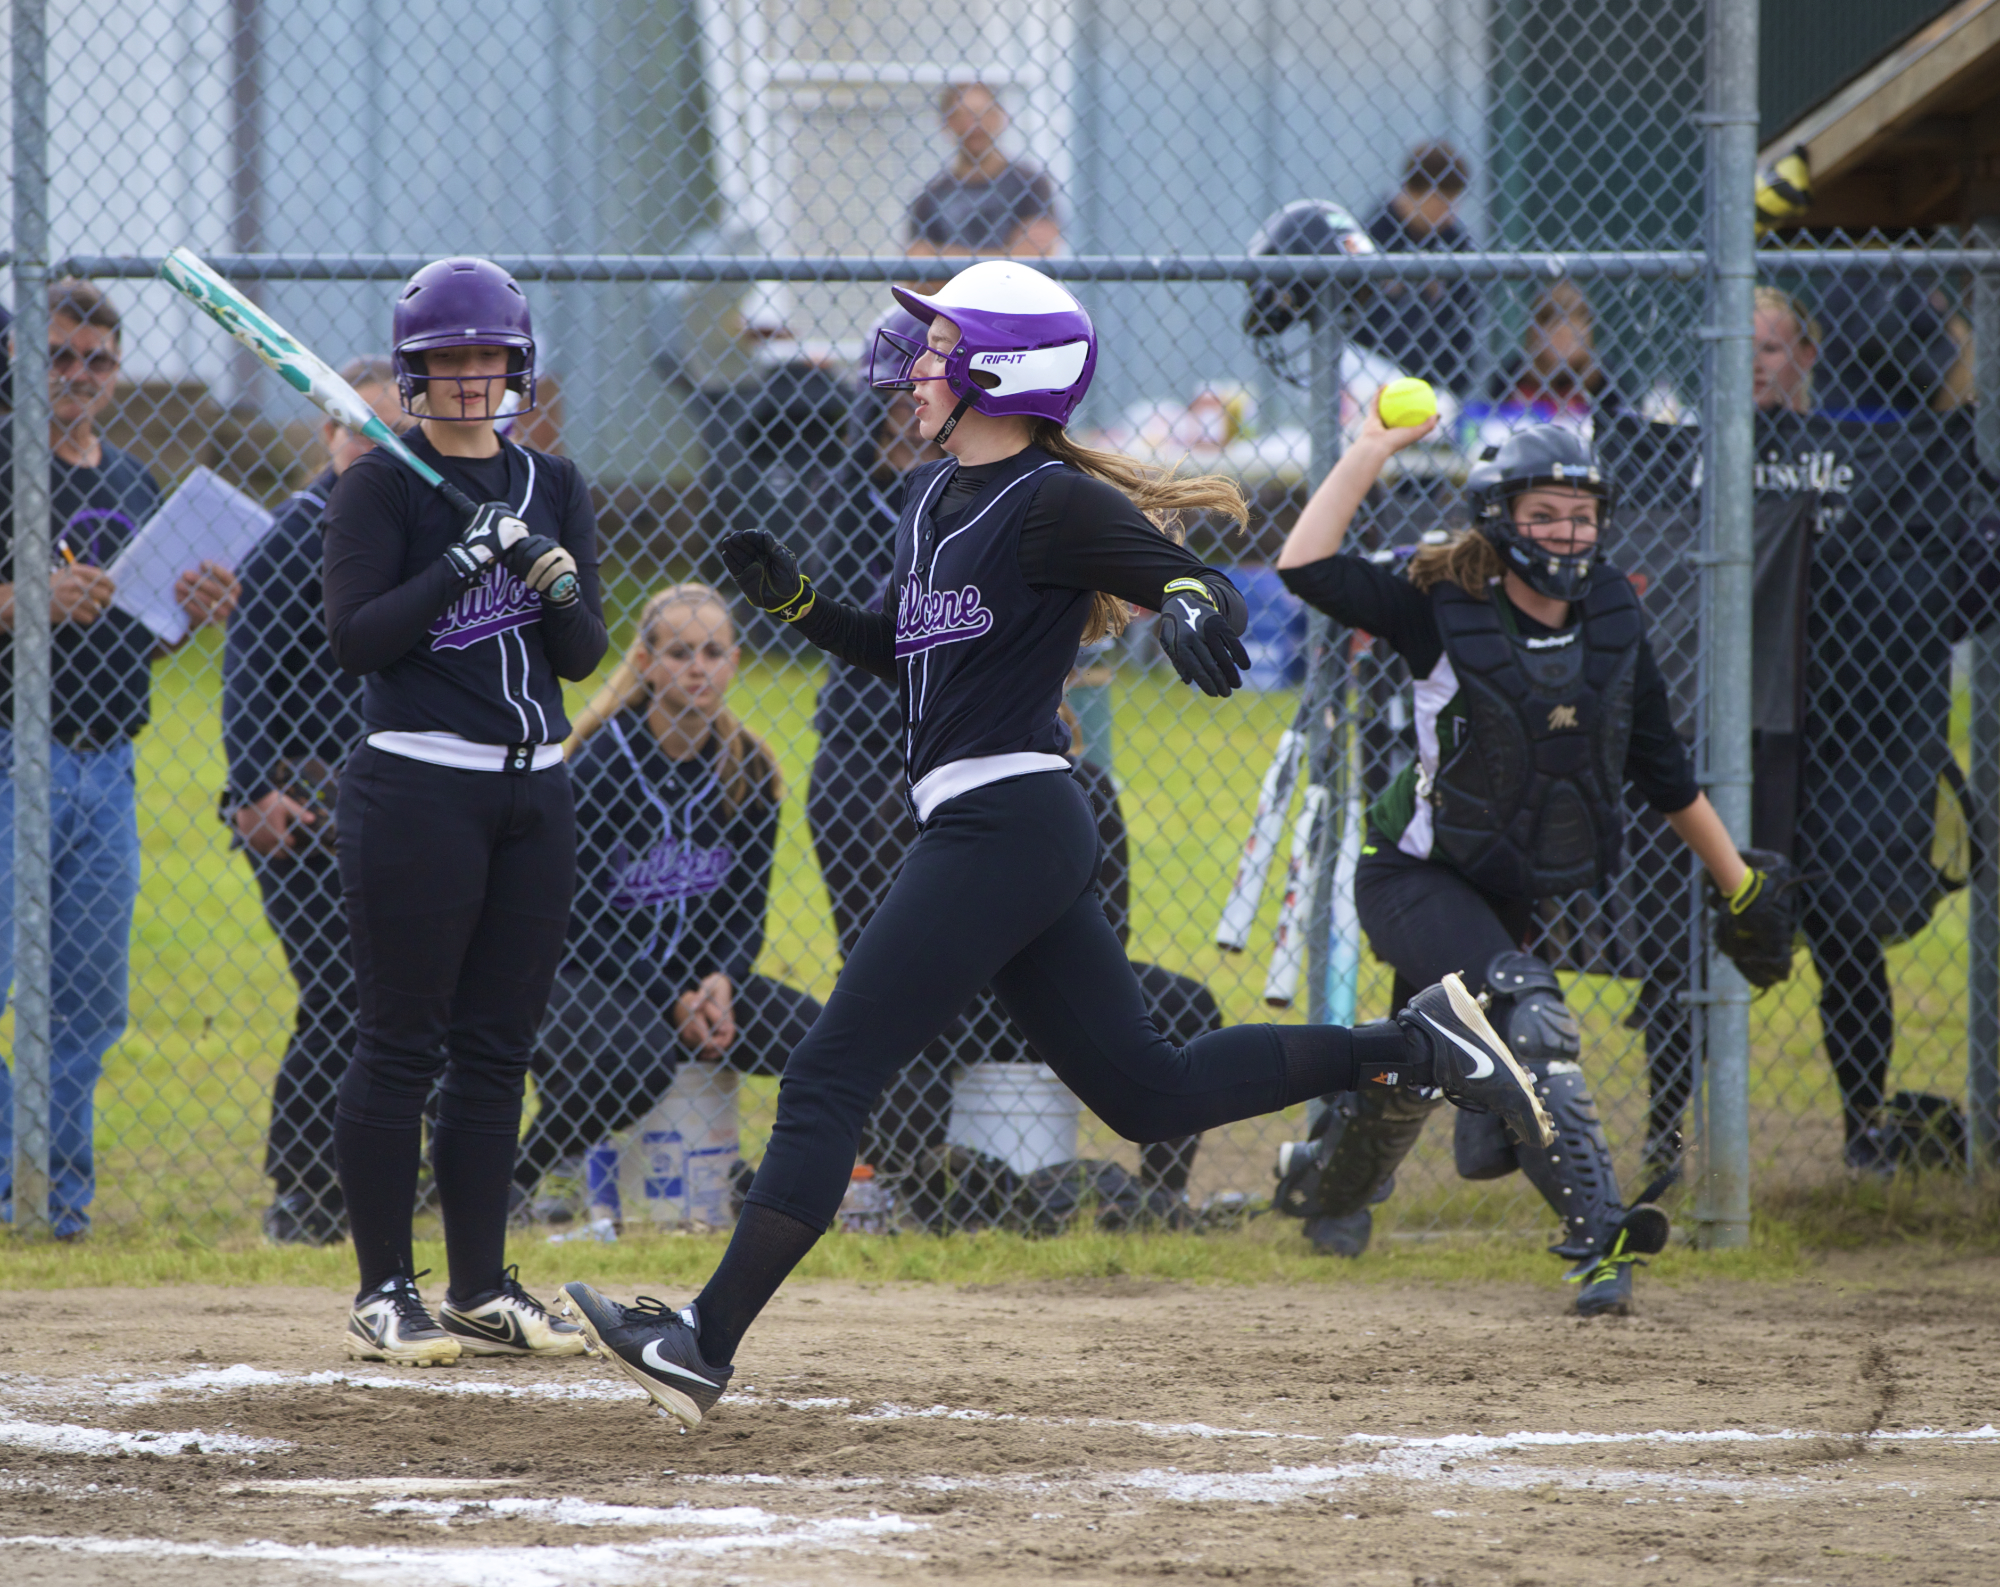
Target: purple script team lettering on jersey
928 618
495 604
670 871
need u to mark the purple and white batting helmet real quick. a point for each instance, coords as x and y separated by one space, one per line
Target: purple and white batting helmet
462 303
1025 345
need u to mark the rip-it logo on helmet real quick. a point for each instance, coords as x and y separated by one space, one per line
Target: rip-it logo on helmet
1025 345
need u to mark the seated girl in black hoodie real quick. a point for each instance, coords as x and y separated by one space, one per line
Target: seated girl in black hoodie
676 824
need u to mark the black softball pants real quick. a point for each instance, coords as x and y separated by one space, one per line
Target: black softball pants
458 888
303 903
1000 887
861 829
1425 921
608 1052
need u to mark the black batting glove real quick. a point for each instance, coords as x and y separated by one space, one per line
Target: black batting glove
1199 641
494 528
545 567
767 574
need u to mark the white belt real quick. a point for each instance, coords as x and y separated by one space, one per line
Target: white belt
962 776
461 754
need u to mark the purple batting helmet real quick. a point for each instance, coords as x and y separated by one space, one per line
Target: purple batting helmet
463 303
1025 344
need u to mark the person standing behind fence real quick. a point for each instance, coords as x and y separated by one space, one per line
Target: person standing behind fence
100 698
1427 328
457 836
983 202
289 717
1865 575
677 826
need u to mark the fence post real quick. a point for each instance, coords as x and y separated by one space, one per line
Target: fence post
1728 441
1326 672
1982 925
31 618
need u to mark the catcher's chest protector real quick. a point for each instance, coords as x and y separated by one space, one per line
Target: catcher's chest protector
1527 803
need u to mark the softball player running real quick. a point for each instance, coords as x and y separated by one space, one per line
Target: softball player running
457 839
1009 553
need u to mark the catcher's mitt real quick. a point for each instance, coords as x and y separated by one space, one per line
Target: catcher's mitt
1755 927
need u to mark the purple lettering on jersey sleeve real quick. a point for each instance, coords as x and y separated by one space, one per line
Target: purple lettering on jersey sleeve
929 618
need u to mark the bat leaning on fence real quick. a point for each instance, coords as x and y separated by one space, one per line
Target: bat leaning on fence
1267 827
303 370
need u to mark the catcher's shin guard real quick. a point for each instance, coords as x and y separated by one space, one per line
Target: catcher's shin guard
1365 1142
1528 1010
1576 1178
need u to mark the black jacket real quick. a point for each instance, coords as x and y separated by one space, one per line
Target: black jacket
284 697
671 885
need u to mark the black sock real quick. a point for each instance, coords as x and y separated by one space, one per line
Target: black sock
474 1174
765 1248
378 1179
1323 1058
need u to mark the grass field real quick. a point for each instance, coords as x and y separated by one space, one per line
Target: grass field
182 1109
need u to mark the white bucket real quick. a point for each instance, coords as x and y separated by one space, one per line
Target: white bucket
1019 1113
673 1169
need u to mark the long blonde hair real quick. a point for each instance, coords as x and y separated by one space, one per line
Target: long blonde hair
1162 494
1467 559
746 763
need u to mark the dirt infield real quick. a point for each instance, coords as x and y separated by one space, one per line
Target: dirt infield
1828 1431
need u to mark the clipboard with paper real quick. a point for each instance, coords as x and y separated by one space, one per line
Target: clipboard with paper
206 519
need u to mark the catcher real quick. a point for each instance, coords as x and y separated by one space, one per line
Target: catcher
1537 697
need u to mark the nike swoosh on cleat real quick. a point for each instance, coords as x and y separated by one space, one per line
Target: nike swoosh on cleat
651 1357
505 1329
1482 1059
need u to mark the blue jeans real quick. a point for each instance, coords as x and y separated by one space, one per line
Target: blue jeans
95 862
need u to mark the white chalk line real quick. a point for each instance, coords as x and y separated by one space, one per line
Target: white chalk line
563 1566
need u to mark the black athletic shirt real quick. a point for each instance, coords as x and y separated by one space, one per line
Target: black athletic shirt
991 589
101 691
284 698
1379 600
671 885
483 660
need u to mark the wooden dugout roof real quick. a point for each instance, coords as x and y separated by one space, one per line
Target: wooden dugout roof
1914 140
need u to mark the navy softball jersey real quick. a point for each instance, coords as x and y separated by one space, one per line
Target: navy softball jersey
480 661
457 838
994 570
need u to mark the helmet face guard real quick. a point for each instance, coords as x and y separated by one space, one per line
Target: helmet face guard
1306 228
463 303
1025 345
1543 457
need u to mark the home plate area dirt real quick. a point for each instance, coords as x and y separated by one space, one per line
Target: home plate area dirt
1833 1430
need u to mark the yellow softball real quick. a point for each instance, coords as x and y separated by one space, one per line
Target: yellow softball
1406 403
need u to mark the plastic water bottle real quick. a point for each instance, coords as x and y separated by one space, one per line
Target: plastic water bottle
866 1207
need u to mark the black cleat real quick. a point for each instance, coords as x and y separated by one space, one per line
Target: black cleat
655 1346
1470 1063
509 1322
1607 1279
391 1323
1346 1236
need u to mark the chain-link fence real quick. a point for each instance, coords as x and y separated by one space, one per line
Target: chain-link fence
704 202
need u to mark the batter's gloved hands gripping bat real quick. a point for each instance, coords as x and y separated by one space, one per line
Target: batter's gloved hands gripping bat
494 529
1198 640
767 574
1755 925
